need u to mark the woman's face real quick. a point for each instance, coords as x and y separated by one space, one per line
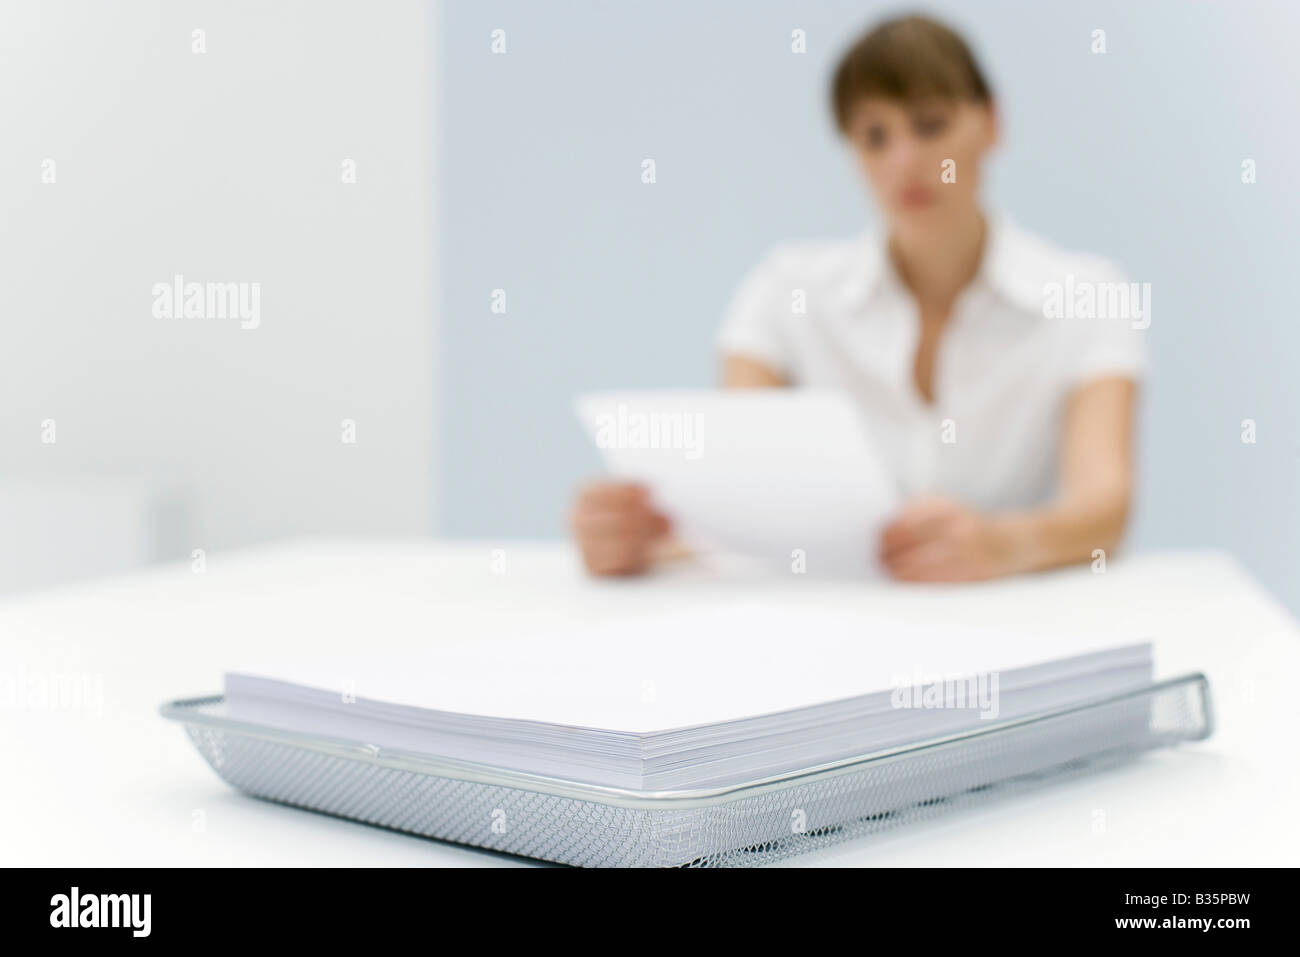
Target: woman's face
922 158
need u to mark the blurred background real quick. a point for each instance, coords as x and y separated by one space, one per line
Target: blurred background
387 172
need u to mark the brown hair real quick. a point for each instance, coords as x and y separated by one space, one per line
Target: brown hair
906 59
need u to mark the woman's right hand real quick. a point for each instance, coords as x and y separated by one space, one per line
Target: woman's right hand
617 528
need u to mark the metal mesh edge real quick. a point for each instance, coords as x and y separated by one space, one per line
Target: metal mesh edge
746 830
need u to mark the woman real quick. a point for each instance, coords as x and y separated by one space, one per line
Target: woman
1008 426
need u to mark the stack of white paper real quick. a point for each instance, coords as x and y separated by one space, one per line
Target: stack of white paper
786 475
695 699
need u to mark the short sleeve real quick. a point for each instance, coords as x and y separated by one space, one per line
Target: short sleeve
1106 335
754 322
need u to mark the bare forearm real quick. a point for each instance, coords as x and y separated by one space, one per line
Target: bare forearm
1064 533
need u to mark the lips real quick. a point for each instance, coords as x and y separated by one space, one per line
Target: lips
914 196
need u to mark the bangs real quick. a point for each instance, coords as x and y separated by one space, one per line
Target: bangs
910 59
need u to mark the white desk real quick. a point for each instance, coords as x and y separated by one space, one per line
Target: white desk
118 785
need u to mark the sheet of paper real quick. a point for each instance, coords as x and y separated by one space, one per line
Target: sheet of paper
783 474
685 668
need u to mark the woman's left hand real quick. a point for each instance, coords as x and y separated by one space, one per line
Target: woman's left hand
936 540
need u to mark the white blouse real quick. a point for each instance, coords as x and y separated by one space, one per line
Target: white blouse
1036 323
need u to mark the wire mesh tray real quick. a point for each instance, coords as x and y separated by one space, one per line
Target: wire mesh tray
756 823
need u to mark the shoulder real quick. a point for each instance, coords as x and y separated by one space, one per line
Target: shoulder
1083 306
767 313
1028 268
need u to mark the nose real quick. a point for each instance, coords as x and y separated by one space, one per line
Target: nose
905 156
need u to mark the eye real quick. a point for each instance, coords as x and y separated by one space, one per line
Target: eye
929 124
874 137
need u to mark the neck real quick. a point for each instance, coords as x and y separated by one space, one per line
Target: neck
937 264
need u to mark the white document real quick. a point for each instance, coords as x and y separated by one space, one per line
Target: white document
780 474
710 696
705 666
